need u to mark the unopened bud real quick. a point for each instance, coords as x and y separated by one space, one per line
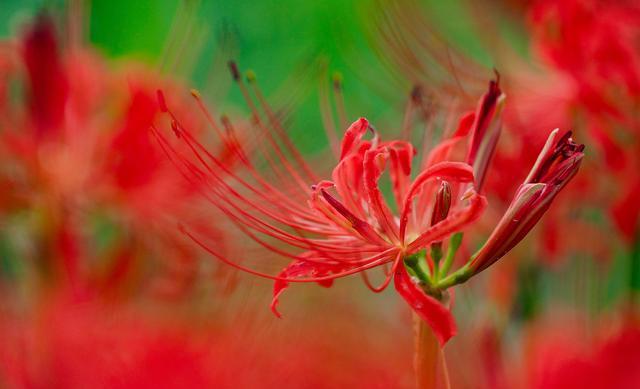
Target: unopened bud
557 164
443 203
486 131
440 212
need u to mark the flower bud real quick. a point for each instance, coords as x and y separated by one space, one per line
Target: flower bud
486 131
557 163
440 212
443 203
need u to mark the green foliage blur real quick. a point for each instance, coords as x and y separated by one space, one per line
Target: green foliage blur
280 40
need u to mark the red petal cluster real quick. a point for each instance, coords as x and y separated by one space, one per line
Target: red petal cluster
343 226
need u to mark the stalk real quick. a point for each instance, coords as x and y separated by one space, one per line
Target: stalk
427 350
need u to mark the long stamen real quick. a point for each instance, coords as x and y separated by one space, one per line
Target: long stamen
415 100
302 185
180 33
207 114
369 265
277 126
260 226
387 278
76 20
172 36
338 99
196 147
329 125
245 200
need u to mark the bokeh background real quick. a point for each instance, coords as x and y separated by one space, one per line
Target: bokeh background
545 317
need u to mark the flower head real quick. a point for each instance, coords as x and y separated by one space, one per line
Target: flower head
348 226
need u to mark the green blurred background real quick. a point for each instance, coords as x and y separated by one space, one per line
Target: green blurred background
286 40
299 45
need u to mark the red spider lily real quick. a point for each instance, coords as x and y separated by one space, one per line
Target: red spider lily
79 145
349 227
587 83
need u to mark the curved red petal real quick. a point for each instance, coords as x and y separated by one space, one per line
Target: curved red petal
456 221
353 135
465 123
440 152
375 162
450 171
298 269
428 308
347 176
401 155
483 117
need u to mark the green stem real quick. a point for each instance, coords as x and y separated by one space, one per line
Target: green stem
454 245
458 277
634 270
413 263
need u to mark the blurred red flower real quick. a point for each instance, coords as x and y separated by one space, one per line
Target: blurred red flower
566 358
561 350
77 154
62 344
590 81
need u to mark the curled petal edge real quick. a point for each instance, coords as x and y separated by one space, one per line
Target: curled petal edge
429 309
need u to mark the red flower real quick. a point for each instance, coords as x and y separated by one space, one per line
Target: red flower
348 226
62 344
77 152
48 82
564 354
561 349
592 53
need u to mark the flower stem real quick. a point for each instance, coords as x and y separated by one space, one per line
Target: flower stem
445 370
425 360
454 244
458 277
415 264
